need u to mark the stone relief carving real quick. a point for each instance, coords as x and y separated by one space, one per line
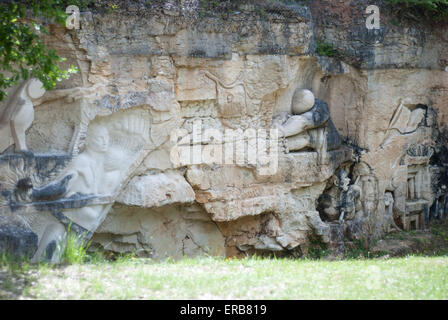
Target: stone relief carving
351 199
231 98
389 214
50 192
306 126
342 200
329 201
348 202
98 172
405 120
118 153
441 203
18 114
417 185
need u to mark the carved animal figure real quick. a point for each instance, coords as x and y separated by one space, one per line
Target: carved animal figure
18 114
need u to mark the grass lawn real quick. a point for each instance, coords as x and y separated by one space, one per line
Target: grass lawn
209 278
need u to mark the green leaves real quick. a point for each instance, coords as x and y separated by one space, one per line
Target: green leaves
435 9
327 49
22 52
428 4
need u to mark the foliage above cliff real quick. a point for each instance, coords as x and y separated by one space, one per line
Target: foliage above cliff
433 9
23 53
202 7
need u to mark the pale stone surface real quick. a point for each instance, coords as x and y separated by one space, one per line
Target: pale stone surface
17 114
157 190
137 86
302 101
168 231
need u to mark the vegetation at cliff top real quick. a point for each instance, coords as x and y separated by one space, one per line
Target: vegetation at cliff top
23 53
428 4
432 9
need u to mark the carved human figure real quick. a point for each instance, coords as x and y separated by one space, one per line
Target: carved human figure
328 202
89 177
440 204
366 180
306 125
85 175
98 171
342 201
389 214
351 200
18 115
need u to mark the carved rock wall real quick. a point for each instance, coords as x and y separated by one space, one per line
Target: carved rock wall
144 75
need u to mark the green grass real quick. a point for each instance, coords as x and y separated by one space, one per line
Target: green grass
434 10
360 276
75 250
252 278
16 276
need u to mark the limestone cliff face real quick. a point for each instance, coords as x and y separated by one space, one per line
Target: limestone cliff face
174 69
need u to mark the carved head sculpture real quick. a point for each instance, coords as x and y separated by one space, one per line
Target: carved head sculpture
302 101
35 89
98 139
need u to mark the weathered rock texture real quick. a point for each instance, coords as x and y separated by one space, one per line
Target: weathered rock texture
169 68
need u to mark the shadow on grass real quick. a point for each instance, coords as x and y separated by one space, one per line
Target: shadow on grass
16 276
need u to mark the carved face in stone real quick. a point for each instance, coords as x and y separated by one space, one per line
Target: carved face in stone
302 101
98 140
